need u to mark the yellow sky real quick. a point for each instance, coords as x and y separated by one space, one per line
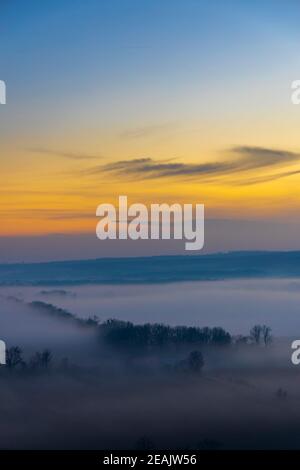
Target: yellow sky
52 187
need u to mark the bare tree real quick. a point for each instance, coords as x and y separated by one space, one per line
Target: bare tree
46 358
41 360
266 333
255 333
14 357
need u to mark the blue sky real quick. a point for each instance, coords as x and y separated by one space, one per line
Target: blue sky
65 47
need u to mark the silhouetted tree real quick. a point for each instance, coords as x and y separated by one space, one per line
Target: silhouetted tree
41 360
14 358
192 364
46 358
255 333
130 336
195 361
266 333
220 337
92 321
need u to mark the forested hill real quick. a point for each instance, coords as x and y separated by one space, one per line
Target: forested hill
159 269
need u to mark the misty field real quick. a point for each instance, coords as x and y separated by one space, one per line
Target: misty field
76 379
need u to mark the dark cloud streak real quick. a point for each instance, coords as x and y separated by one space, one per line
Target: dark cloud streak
242 159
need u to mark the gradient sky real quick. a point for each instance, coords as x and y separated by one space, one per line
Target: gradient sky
176 101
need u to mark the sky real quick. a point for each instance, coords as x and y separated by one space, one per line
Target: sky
163 101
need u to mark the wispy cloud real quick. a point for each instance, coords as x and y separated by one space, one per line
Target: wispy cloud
266 178
68 155
240 160
147 131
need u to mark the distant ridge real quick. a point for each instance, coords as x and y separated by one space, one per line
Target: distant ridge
160 269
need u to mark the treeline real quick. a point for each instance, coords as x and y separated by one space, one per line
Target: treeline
259 334
152 336
125 334
53 311
39 361
128 337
